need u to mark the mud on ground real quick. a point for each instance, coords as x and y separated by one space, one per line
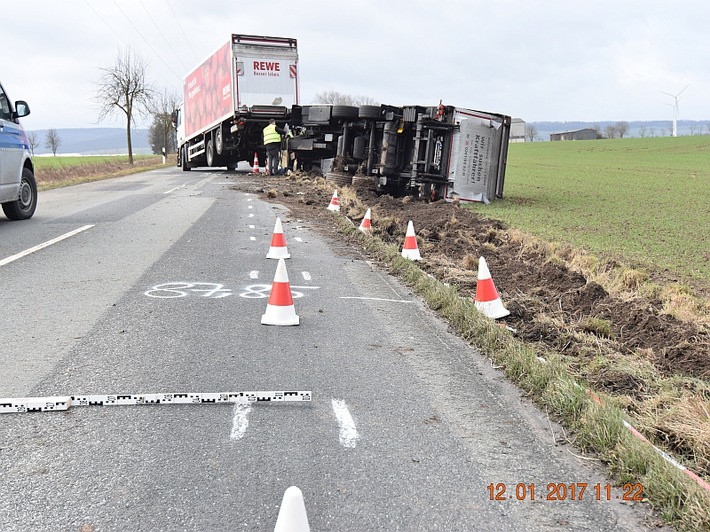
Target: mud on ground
550 304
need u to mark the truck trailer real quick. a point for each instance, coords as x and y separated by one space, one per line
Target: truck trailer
435 152
230 97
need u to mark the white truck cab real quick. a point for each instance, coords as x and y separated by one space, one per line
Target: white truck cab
18 189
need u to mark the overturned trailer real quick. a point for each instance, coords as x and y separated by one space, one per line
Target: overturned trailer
432 152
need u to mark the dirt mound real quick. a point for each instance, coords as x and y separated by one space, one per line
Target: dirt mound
549 303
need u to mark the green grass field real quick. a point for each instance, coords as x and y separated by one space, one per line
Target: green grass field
47 163
647 200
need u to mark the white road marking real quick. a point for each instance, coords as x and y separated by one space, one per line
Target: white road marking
250 207
240 421
298 239
378 299
251 215
348 431
252 238
251 226
306 276
48 243
174 189
254 274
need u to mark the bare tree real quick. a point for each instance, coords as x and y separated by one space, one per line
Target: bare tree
642 131
530 132
123 87
33 141
622 128
161 133
610 132
53 141
338 98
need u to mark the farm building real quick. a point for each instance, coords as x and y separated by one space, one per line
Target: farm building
517 130
579 134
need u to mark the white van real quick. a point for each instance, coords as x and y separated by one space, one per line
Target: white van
18 189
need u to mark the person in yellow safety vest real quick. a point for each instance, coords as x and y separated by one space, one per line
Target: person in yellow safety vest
272 142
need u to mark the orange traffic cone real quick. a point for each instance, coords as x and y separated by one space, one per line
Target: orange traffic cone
487 299
334 202
278 248
280 309
366 223
292 513
410 250
256 163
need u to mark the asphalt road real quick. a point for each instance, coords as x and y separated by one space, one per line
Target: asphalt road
158 285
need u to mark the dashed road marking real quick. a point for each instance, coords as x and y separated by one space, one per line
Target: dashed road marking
378 299
348 431
240 420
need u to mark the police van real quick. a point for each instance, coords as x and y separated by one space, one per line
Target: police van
18 189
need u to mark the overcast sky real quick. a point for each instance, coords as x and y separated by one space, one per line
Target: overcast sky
544 60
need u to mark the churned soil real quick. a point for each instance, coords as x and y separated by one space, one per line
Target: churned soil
549 303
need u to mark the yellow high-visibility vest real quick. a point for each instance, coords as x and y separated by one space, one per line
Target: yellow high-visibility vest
271 135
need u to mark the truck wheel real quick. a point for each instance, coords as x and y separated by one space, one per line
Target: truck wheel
183 158
24 206
218 141
209 153
369 111
344 111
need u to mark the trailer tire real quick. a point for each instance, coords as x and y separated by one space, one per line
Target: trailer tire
369 111
183 159
219 141
344 111
209 153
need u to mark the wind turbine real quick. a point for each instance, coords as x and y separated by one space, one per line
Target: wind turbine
675 108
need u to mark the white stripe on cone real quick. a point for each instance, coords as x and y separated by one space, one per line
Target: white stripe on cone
280 309
334 202
292 513
487 299
410 250
278 249
366 223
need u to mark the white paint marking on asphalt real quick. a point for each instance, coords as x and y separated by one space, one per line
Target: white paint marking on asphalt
252 227
240 421
298 239
48 243
250 207
251 215
378 299
252 238
348 432
254 274
174 189
306 276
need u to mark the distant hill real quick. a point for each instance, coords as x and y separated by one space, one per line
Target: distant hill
648 128
94 141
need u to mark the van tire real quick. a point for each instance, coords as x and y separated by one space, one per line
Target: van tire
24 206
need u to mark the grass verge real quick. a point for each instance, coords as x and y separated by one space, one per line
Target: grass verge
547 378
55 172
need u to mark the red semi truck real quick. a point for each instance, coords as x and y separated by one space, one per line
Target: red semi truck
435 151
230 97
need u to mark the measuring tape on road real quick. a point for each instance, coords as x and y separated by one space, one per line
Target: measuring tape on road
56 403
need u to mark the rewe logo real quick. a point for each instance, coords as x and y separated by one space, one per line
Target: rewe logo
267 66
